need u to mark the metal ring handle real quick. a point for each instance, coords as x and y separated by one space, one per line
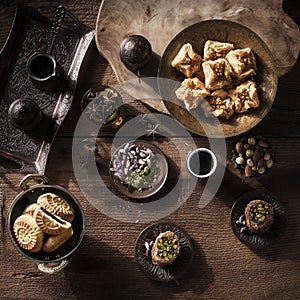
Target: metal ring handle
43 267
24 182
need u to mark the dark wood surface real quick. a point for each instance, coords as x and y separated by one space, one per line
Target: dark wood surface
223 268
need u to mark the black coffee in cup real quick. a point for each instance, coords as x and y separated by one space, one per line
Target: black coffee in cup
201 162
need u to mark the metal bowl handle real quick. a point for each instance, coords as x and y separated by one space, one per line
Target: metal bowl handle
37 177
44 267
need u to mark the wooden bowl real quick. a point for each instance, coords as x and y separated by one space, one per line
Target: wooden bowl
224 31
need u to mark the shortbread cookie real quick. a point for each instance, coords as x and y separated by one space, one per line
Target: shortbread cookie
28 234
242 62
56 205
217 74
30 209
56 241
214 49
187 60
50 223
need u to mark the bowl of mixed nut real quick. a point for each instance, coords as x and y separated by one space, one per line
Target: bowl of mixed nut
253 155
138 169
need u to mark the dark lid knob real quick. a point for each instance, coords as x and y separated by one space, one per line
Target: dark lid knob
24 114
135 51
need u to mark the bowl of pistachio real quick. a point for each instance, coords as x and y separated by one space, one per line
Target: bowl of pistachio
138 169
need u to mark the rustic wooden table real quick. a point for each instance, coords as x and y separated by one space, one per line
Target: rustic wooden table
223 268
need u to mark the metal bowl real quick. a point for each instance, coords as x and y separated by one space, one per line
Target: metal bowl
241 37
29 195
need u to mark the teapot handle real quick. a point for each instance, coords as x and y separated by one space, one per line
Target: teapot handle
44 267
38 177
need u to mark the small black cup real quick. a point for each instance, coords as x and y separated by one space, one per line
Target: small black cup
44 71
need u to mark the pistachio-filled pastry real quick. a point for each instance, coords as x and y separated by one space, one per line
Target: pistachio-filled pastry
217 74
242 62
220 104
165 248
50 223
214 49
56 205
259 216
192 91
187 61
245 96
28 234
56 241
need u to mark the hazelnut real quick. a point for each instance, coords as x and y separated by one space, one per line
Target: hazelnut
261 170
246 146
249 152
251 141
250 162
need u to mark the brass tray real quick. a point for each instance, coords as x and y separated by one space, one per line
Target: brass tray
19 151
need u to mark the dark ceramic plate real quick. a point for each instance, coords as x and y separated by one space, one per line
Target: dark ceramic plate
241 37
172 271
253 240
162 173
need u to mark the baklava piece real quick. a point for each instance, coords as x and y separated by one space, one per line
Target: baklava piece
242 62
219 104
187 61
214 50
259 216
217 74
192 91
165 248
245 96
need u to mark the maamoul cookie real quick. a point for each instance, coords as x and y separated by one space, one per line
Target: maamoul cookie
50 223
56 241
28 234
56 205
259 216
165 248
30 209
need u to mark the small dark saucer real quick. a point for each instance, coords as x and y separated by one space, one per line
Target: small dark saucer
172 271
253 240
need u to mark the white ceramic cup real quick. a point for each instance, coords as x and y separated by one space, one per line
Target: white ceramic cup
201 162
